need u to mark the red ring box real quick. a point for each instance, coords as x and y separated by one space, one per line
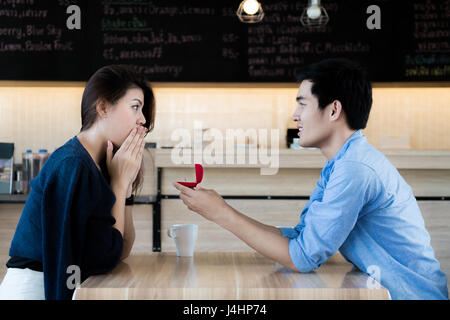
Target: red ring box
198 177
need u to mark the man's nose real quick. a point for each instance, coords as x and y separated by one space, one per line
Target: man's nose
296 116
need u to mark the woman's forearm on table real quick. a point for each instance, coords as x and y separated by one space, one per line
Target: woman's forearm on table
129 234
118 210
124 219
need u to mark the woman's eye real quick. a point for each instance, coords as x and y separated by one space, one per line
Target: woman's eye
136 106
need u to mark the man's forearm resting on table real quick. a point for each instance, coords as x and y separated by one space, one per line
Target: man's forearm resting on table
267 240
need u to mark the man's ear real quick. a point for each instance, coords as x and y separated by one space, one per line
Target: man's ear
102 108
336 110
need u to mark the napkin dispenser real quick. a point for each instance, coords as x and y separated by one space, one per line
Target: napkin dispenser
6 167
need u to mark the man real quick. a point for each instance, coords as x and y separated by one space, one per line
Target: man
361 205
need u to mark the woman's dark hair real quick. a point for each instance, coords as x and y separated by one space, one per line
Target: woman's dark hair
109 84
343 80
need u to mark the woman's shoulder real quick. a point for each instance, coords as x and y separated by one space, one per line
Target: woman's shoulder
67 159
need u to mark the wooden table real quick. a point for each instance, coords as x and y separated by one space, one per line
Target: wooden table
227 276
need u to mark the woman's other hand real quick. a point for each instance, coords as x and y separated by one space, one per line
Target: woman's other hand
124 165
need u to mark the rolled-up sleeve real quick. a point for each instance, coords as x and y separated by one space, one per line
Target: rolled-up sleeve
329 220
289 232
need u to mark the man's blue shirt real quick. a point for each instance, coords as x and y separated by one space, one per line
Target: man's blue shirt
362 207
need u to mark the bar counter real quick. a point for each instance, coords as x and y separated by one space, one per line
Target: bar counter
310 158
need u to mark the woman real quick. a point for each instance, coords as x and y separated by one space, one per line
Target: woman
75 222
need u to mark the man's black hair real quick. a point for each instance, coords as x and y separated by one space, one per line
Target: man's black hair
343 80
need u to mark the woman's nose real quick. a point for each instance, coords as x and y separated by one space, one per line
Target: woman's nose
141 120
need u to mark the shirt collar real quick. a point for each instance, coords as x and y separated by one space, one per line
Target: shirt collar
344 147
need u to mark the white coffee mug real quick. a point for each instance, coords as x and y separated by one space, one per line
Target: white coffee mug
185 236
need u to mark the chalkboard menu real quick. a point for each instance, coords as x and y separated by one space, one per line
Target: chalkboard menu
203 40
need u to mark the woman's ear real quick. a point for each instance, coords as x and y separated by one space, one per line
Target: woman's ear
102 108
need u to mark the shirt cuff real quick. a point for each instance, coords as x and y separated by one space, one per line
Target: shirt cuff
299 258
288 232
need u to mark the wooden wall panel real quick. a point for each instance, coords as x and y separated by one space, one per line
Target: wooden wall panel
211 237
436 215
287 182
428 183
37 115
